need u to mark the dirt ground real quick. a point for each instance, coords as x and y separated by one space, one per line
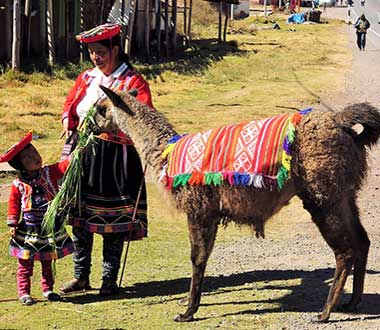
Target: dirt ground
295 249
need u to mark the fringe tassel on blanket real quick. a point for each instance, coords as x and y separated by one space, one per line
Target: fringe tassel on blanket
216 179
284 170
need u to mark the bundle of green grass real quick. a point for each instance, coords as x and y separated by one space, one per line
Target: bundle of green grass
57 214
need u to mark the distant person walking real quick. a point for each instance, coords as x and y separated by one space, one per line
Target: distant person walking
362 3
361 25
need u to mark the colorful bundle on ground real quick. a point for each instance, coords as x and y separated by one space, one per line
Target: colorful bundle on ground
69 192
256 153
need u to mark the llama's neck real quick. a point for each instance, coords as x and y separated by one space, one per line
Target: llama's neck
149 131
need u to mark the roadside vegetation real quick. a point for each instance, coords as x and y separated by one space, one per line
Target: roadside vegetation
257 73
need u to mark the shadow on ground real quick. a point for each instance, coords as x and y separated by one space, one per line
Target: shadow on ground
194 60
308 296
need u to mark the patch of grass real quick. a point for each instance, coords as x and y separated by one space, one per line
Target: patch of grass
70 70
6 178
38 101
39 78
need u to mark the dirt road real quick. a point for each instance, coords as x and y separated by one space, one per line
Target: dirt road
294 256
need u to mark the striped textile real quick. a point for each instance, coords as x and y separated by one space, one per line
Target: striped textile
251 153
28 250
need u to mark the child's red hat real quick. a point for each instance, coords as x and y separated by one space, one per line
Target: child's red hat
16 148
101 32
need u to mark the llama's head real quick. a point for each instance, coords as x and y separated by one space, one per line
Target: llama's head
104 118
118 101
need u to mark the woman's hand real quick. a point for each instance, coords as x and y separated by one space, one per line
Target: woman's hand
12 231
65 126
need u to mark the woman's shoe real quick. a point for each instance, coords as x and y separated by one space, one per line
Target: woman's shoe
108 288
75 285
27 300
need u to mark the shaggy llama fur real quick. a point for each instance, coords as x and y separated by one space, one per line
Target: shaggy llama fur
328 168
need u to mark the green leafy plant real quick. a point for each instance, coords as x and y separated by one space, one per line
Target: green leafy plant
70 190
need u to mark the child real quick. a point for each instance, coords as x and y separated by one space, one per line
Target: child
30 192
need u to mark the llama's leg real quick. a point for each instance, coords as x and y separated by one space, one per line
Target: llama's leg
202 238
333 223
362 243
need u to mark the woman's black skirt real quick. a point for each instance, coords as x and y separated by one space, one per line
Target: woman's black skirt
111 180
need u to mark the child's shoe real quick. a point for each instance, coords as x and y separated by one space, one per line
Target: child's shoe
26 300
51 296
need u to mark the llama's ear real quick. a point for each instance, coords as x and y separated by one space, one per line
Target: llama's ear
116 100
358 128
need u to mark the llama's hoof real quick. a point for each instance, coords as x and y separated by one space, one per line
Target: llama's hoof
183 318
183 302
320 318
349 308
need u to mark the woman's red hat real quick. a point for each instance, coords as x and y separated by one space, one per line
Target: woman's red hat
101 32
16 148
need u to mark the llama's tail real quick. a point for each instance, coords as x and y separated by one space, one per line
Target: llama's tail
362 122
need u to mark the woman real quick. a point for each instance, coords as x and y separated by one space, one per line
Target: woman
112 168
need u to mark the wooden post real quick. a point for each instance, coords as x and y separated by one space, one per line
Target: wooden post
28 25
220 22
167 27
16 35
189 21
81 24
8 29
43 28
67 28
50 32
131 22
174 18
185 21
265 8
123 27
158 28
102 12
225 22
147 28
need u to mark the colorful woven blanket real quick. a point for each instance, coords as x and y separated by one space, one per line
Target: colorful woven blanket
256 153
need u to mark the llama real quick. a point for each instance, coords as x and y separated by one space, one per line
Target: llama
327 170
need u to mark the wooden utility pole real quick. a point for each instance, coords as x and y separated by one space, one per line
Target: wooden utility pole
50 31
16 35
